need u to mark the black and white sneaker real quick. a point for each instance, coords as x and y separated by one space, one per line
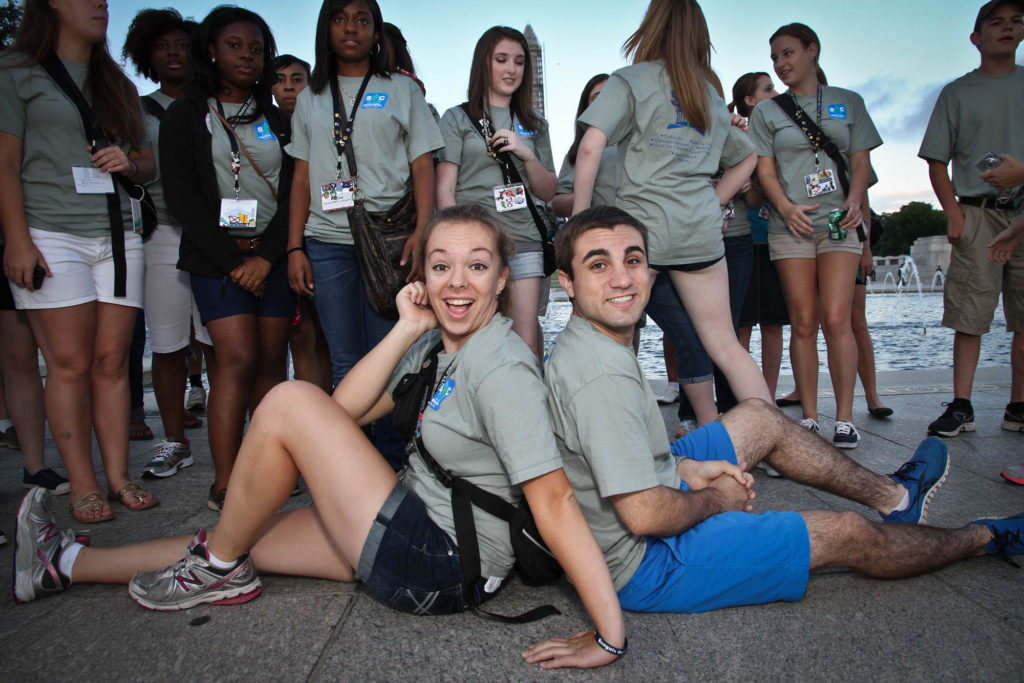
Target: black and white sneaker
1013 417
845 436
958 417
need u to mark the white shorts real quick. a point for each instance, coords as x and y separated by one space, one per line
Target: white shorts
83 271
170 310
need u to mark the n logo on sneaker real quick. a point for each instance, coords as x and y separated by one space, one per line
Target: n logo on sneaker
48 532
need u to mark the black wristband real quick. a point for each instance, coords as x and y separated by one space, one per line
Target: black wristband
611 649
294 249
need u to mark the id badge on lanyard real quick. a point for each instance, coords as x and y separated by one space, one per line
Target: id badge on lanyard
91 180
335 195
238 214
820 182
510 197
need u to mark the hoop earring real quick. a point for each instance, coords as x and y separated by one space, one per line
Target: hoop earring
372 53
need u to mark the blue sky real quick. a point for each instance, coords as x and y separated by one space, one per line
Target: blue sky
896 53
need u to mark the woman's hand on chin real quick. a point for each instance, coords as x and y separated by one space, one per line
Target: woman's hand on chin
414 306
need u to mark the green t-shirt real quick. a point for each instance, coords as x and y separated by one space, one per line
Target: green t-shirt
492 429
610 434
976 115
393 128
155 187
667 164
844 119
34 109
479 174
265 151
607 177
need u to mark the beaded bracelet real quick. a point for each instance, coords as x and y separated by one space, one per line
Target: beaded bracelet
609 648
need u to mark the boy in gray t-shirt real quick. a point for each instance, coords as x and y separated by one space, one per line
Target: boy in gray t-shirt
681 538
978 125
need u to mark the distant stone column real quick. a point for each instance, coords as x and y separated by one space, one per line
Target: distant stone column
537 59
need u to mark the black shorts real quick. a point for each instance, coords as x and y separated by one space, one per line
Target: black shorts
691 267
6 298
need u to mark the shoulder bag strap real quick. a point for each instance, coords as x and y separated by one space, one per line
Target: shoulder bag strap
513 174
53 66
152 107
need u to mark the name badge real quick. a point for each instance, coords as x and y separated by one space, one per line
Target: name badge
136 214
764 211
820 183
442 393
263 132
91 180
509 197
837 111
336 195
238 214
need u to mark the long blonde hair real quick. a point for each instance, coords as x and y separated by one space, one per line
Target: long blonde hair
675 32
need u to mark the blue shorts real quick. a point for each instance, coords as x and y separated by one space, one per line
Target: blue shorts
728 560
218 297
410 563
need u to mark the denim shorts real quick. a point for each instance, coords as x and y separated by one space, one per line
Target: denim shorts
219 297
410 563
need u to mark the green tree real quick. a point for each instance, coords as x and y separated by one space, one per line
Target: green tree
913 220
10 17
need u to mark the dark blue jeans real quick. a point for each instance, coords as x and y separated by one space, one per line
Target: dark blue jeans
350 325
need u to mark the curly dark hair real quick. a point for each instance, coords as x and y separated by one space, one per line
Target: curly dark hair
147 26
206 74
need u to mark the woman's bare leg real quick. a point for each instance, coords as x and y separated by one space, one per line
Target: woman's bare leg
705 293
837 271
20 365
525 297
865 348
799 279
771 355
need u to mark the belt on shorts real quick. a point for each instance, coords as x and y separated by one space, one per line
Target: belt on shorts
980 202
247 244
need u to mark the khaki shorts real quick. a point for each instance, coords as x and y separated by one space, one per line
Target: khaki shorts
973 282
784 245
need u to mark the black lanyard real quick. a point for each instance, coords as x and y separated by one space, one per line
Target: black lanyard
815 140
236 160
342 137
427 393
503 159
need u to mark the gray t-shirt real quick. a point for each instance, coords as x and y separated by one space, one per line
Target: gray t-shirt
976 115
265 151
34 109
844 119
610 433
479 174
492 429
607 177
666 163
393 127
740 225
155 187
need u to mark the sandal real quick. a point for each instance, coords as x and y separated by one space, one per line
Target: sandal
137 433
191 421
90 502
133 492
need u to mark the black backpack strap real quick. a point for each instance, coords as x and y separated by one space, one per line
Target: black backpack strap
152 107
817 138
53 66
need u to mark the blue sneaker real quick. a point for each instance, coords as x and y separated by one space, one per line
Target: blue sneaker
1007 537
922 475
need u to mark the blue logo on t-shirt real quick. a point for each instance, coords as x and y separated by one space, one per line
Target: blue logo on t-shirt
837 111
443 392
681 121
375 100
263 132
522 132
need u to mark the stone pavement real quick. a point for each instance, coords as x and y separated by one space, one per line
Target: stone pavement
963 622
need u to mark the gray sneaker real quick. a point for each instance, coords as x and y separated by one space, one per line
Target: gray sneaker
170 455
196 400
810 425
38 545
194 581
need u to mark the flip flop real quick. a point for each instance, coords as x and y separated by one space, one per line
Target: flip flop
91 501
133 492
143 433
